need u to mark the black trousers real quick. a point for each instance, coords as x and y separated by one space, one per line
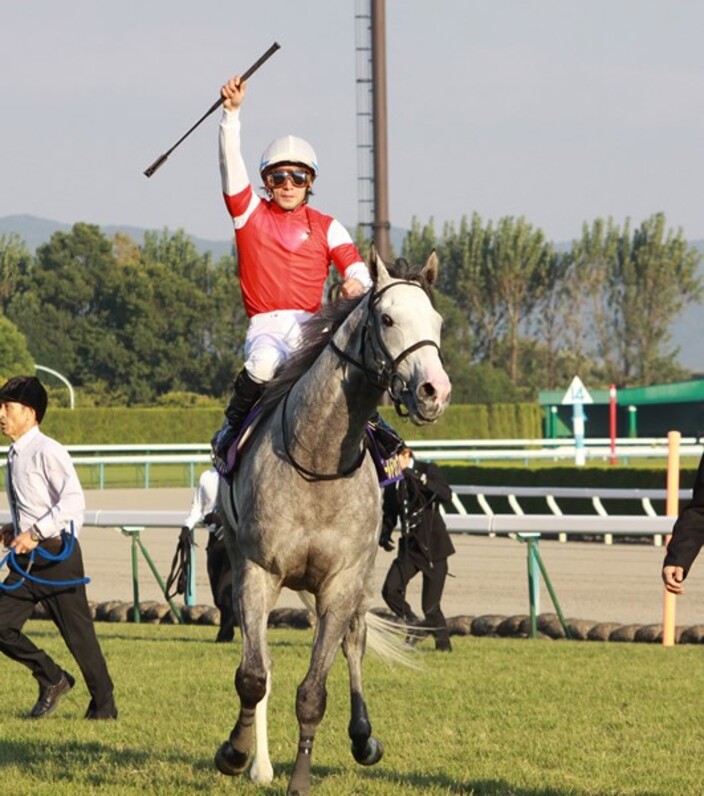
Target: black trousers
401 571
68 608
220 577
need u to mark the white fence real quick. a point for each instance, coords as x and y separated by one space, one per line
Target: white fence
194 455
485 524
557 521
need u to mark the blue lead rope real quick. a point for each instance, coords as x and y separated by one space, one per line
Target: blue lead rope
69 542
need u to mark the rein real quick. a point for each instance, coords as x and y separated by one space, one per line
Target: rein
383 375
309 475
69 542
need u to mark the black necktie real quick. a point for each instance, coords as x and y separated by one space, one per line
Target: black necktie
14 511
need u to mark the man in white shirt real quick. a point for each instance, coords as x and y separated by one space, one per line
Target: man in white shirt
47 505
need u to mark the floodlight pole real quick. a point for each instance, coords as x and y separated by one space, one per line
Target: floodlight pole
381 226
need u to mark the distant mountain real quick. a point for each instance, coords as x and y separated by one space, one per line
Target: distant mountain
36 231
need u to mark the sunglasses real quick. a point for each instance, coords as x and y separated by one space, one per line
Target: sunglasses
299 177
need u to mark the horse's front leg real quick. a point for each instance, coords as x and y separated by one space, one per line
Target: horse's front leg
366 749
311 697
262 772
252 678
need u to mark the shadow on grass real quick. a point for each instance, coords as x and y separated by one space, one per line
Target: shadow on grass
468 787
387 780
67 756
424 782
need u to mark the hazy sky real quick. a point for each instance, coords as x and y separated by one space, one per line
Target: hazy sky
556 110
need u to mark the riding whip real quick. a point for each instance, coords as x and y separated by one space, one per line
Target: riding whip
252 69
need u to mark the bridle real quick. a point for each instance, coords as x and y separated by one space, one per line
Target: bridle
382 373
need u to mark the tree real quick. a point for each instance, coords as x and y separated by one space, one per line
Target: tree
15 358
419 243
182 317
623 292
456 346
654 279
15 262
133 321
465 276
496 277
518 271
58 305
542 366
591 319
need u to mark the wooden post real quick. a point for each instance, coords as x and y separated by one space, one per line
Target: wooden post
672 510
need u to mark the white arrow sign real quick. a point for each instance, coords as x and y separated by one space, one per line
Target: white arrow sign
577 393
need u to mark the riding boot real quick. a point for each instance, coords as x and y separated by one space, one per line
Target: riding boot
245 393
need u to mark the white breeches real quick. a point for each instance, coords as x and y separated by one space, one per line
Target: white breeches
271 337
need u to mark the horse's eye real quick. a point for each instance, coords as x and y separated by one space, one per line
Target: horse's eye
387 320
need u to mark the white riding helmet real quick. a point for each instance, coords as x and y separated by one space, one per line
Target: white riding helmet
289 149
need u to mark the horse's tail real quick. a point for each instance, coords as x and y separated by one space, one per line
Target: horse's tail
386 637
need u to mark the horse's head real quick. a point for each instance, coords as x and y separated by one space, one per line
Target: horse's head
404 338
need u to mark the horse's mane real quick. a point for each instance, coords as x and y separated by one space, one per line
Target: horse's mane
317 331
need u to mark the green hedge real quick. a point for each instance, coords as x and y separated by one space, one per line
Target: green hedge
606 477
121 425
474 421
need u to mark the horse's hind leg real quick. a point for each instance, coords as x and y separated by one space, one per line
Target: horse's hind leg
366 749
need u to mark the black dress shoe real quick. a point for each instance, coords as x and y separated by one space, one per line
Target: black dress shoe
99 714
50 695
443 645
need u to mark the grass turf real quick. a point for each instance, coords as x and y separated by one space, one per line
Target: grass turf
496 716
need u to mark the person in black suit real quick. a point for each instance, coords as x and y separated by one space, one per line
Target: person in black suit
47 509
425 544
687 538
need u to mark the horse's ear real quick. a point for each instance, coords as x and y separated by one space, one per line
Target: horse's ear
430 269
376 266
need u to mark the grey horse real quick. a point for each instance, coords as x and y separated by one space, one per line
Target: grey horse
303 509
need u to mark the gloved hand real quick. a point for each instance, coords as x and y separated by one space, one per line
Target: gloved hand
385 542
185 535
212 518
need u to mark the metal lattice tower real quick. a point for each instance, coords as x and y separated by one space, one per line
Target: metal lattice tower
365 117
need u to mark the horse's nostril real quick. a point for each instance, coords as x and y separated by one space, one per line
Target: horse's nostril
427 390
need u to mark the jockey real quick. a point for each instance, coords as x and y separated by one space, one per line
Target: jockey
284 249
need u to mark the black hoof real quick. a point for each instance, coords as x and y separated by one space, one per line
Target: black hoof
230 762
371 754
